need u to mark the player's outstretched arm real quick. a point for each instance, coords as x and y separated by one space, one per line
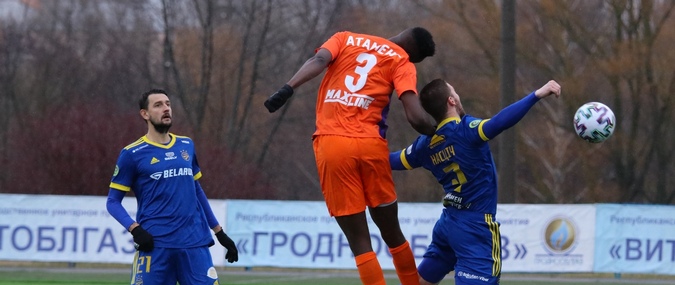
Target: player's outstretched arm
408 158
417 117
513 113
314 66
395 160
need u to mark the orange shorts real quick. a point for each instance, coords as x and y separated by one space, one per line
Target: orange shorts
354 173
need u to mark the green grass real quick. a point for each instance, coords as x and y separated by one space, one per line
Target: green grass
40 277
277 276
52 278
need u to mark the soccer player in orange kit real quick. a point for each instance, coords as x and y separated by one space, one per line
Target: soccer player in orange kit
350 143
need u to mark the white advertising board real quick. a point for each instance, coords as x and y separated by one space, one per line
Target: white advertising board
547 238
71 229
635 239
535 238
301 234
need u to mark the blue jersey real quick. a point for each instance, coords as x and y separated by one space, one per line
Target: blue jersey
163 180
459 156
466 237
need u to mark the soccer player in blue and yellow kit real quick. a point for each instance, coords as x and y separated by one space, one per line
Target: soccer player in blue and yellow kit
171 231
466 237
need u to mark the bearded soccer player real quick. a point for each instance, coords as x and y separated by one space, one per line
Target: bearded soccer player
466 237
350 145
171 230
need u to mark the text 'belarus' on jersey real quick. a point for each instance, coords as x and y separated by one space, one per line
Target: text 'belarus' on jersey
355 93
162 178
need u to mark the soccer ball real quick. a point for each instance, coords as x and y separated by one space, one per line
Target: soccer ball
594 122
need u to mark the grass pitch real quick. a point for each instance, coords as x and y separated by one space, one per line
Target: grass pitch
279 276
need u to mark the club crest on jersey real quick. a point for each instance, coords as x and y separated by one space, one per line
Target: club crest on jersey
474 123
185 155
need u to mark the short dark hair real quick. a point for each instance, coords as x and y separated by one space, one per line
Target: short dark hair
425 42
433 97
143 102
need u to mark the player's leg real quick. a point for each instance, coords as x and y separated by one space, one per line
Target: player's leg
153 268
381 200
386 219
342 189
433 269
439 259
195 266
478 249
355 228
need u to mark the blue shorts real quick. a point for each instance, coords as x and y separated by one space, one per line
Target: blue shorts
467 242
163 266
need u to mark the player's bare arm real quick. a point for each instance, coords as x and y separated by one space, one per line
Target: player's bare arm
415 114
314 66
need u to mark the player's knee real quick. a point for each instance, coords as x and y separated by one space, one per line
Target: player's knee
394 239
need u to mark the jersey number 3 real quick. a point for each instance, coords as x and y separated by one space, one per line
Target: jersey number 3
354 84
461 179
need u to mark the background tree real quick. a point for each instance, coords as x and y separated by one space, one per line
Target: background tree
72 70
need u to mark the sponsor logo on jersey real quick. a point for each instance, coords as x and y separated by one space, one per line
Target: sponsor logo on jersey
185 155
170 155
474 123
156 175
472 276
436 140
139 148
154 160
348 99
174 172
452 200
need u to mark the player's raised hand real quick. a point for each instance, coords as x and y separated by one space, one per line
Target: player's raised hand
279 98
232 254
143 240
550 88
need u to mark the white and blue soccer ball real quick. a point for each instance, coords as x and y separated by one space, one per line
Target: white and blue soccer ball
594 122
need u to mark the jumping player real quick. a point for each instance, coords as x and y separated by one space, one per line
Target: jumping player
350 145
466 237
171 231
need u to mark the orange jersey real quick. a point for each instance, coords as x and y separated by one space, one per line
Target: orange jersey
355 93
